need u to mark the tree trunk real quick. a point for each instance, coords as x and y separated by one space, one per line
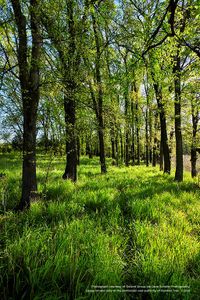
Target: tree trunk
70 70
138 142
177 109
150 135
146 138
194 144
121 147
102 150
126 149
70 67
154 154
126 104
113 147
29 82
193 162
137 122
117 147
99 103
112 133
163 127
132 133
71 145
29 180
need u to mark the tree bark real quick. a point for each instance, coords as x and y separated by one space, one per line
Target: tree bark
137 122
163 127
132 133
121 146
194 144
117 147
102 148
150 135
99 103
177 110
70 63
70 68
154 154
112 133
126 154
29 82
193 162
146 138
71 144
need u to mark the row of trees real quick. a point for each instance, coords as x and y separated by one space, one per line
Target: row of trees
101 76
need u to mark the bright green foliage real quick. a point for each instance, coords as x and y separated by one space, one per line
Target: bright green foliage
132 226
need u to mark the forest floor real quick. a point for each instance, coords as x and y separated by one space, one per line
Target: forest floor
101 237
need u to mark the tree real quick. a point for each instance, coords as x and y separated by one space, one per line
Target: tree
66 34
99 103
163 126
29 82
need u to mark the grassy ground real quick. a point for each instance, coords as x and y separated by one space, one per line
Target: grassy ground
132 226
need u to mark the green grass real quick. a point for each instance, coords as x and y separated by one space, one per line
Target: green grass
132 226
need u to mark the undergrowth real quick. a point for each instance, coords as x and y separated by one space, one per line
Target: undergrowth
131 227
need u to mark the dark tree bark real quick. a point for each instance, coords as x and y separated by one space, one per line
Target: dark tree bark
112 130
137 137
70 67
147 123
117 147
121 146
177 103
132 133
150 135
163 127
177 110
133 151
113 147
193 162
126 146
126 104
99 103
146 138
195 120
71 143
112 135
29 82
154 154
102 147
137 122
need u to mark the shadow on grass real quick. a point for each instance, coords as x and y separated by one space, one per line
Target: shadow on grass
91 162
157 185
